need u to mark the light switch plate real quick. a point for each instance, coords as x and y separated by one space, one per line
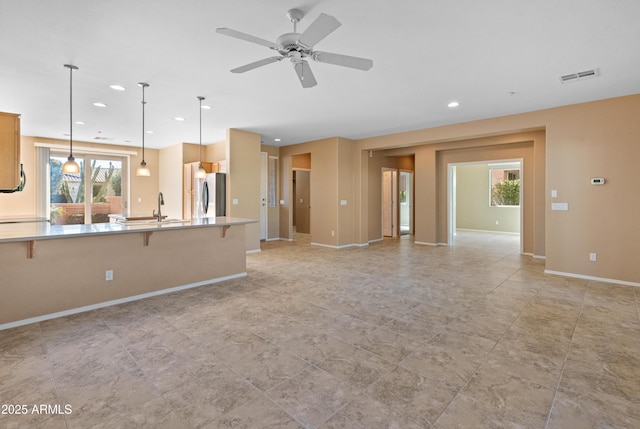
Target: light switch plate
554 193
235 201
343 202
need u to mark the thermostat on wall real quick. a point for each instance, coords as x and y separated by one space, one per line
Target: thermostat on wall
597 181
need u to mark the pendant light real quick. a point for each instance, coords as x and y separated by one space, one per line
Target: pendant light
71 166
143 170
201 173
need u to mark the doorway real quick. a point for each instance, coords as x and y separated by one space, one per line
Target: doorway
389 202
302 201
264 189
405 197
485 197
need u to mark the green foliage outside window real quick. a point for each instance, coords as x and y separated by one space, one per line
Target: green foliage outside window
506 193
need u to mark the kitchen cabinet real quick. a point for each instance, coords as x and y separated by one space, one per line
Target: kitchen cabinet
9 152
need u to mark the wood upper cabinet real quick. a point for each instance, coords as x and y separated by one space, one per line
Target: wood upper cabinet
9 151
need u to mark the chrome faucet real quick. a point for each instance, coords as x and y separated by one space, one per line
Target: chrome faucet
160 204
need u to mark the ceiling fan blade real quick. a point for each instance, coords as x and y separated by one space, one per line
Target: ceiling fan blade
256 64
343 60
318 30
246 37
305 75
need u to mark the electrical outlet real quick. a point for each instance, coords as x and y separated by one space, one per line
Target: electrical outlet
108 275
592 257
333 233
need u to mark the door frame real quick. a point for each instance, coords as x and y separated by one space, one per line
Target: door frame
451 196
394 201
410 196
264 192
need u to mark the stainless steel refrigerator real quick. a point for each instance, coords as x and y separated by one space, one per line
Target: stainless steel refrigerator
211 198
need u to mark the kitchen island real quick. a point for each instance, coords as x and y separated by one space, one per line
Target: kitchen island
54 270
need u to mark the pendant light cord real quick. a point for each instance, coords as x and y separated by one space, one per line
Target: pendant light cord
200 98
143 85
143 103
71 112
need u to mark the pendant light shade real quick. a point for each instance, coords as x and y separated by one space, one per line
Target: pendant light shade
143 170
201 173
71 166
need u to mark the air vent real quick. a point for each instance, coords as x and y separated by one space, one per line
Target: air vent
574 77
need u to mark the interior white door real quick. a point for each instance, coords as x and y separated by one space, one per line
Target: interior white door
264 187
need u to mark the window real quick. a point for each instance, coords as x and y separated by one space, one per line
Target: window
504 181
100 189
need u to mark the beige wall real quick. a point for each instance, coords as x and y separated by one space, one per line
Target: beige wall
170 180
573 144
243 181
600 139
324 189
215 152
473 209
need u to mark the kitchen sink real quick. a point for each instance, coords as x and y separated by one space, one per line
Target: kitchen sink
146 220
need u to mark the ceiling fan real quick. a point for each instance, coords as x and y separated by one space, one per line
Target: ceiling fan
298 48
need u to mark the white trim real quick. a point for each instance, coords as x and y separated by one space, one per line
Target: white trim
422 243
488 230
539 256
443 244
598 279
344 246
254 251
274 239
81 149
116 302
376 240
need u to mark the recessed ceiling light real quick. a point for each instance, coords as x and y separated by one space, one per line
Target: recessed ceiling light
277 140
79 122
117 87
453 104
206 107
98 104
179 119
149 132
510 93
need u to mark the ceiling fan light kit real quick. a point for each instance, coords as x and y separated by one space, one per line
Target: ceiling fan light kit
298 48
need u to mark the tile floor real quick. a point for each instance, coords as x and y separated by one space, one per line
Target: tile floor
394 335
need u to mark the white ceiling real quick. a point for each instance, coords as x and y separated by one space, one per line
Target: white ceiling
426 53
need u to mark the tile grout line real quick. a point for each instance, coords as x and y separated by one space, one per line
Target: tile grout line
53 377
490 351
564 363
146 378
251 385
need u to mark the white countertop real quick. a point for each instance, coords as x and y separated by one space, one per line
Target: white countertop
43 230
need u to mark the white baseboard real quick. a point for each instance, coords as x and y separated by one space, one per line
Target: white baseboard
539 257
254 251
597 279
344 246
116 302
274 239
488 230
376 240
422 243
